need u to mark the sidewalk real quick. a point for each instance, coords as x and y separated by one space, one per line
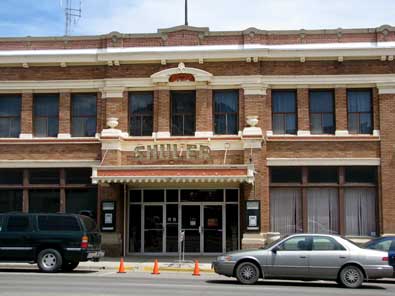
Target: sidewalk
137 264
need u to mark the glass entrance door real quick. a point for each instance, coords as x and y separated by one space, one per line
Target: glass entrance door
213 229
191 225
153 228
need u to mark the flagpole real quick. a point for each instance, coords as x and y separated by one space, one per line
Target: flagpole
186 12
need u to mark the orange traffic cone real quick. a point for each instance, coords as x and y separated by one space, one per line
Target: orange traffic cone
196 271
121 266
156 267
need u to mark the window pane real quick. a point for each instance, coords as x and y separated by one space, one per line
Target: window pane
286 211
10 112
321 101
286 174
44 201
353 123
78 176
41 127
232 123
58 223
232 195
141 112
322 210
284 101
83 105
11 176
18 223
322 243
135 229
226 101
82 202
361 174
315 122
299 243
183 113
328 125
202 195
232 228
10 201
359 100
46 105
220 123
44 176
360 211
323 174
154 195
172 195
278 124
53 127
290 124
135 195
365 121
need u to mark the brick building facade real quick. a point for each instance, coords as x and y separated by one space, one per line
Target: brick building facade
232 137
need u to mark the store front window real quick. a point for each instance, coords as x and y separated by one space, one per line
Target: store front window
333 200
157 217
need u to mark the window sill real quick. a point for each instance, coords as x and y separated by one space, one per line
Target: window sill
307 136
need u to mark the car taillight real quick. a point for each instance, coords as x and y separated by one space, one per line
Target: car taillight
385 259
84 242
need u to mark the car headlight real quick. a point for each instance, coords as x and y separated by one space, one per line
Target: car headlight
224 258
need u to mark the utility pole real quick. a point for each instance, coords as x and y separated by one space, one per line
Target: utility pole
186 12
72 14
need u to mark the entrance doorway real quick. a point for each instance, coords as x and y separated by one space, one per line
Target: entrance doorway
156 220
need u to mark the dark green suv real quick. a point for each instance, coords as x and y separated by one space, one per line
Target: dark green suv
53 241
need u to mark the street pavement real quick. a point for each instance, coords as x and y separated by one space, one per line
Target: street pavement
28 281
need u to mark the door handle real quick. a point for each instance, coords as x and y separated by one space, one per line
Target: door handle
342 257
303 257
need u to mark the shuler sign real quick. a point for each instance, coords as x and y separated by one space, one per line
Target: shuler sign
172 152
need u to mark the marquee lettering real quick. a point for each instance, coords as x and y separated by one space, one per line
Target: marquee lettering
172 151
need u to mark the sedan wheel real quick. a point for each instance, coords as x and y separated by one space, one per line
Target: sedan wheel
351 277
247 273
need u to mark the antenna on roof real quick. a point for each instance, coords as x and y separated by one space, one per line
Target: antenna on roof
72 14
186 12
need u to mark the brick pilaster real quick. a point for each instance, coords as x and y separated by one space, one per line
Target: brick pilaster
163 110
341 108
27 114
117 107
303 109
254 105
204 110
387 135
64 113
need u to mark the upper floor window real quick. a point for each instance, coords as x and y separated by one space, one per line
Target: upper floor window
83 115
284 111
322 115
360 111
46 115
226 105
141 113
183 113
10 116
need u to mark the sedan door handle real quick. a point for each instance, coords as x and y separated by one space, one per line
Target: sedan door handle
303 257
342 257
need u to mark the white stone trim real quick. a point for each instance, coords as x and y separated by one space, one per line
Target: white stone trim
114 87
205 52
160 135
78 163
341 133
322 161
303 133
164 75
112 92
25 136
257 89
208 134
64 136
376 133
386 88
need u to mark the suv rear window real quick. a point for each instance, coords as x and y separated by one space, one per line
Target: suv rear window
58 223
89 223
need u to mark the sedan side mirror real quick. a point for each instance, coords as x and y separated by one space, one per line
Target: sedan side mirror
275 249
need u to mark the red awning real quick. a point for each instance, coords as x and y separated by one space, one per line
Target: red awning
174 174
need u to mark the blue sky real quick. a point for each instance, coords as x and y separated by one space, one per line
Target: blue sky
46 17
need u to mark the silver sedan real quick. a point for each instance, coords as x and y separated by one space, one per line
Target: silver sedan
306 257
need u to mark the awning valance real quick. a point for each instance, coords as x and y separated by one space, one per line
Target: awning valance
174 174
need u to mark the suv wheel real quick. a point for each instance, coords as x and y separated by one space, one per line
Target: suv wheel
49 260
247 273
351 277
70 265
